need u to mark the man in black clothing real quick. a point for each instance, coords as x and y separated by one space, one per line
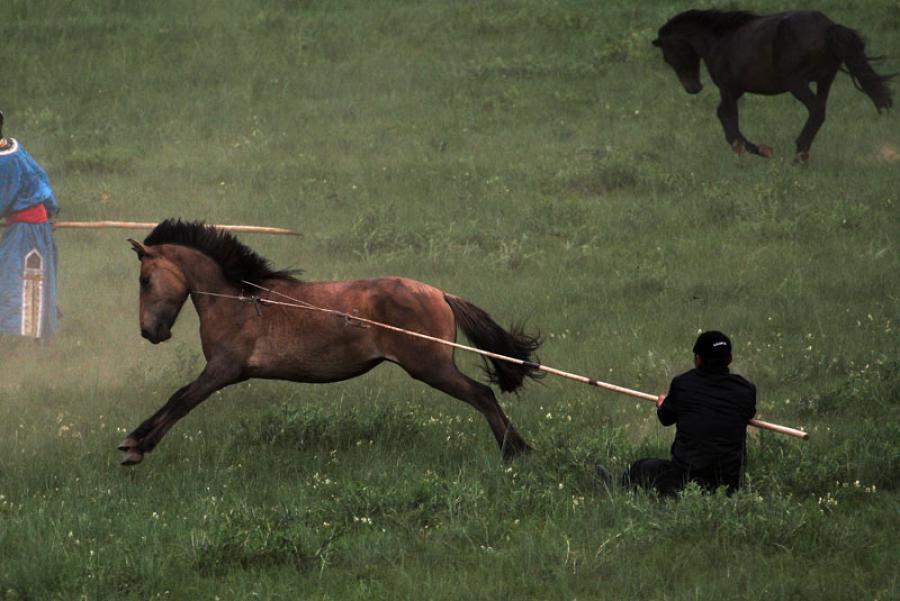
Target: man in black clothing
710 407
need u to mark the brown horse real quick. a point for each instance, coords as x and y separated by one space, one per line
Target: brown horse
254 340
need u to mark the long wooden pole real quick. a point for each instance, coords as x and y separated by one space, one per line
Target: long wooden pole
757 423
149 225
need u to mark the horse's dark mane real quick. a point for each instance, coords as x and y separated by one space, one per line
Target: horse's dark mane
237 261
716 21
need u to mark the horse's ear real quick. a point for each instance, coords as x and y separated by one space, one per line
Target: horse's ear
657 43
139 248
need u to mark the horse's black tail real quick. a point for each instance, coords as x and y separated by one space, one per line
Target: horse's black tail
849 48
487 335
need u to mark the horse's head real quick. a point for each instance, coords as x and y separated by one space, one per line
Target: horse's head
681 56
164 288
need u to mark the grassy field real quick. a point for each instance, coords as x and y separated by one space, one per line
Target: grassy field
536 158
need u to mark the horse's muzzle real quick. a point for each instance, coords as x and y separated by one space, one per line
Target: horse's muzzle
691 86
161 335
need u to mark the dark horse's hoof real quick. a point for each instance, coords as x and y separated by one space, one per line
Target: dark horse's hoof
127 444
765 151
132 457
513 449
801 158
738 148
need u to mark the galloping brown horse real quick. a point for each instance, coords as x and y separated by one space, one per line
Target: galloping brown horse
253 340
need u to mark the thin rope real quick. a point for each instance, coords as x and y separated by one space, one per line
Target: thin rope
299 304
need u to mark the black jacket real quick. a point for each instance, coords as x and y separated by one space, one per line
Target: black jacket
711 408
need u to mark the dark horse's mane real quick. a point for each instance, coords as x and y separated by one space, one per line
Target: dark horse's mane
716 21
237 261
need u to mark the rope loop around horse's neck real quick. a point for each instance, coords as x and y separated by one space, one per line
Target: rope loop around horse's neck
242 298
255 298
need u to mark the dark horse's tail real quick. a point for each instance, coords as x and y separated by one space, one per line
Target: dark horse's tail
487 335
850 49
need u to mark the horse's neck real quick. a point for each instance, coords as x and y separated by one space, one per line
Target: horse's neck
203 275
702 42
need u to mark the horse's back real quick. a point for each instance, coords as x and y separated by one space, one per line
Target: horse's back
803 46
799 28
805 28
769 53
321 341
409 304
373 295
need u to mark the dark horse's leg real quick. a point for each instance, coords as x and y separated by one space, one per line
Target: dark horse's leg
447 378
815 104
728 115
145 437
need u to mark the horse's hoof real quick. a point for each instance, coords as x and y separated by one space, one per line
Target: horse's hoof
132 457
801 158
127 444
765 151
514 450
738 148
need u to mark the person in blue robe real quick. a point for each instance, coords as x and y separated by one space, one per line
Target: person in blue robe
28 256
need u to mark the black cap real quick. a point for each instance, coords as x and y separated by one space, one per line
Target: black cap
712 344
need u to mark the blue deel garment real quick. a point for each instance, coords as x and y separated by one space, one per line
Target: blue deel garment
27 291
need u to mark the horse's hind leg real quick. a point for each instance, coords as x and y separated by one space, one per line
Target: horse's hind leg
815 104
447 378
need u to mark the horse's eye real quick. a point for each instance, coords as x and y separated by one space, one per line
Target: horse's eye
145 281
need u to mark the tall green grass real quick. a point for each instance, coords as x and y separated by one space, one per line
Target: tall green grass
536 158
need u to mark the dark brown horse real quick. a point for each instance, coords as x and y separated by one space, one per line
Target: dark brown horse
253 340
770 54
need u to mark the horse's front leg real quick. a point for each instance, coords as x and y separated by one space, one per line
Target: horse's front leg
145 437
728 115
